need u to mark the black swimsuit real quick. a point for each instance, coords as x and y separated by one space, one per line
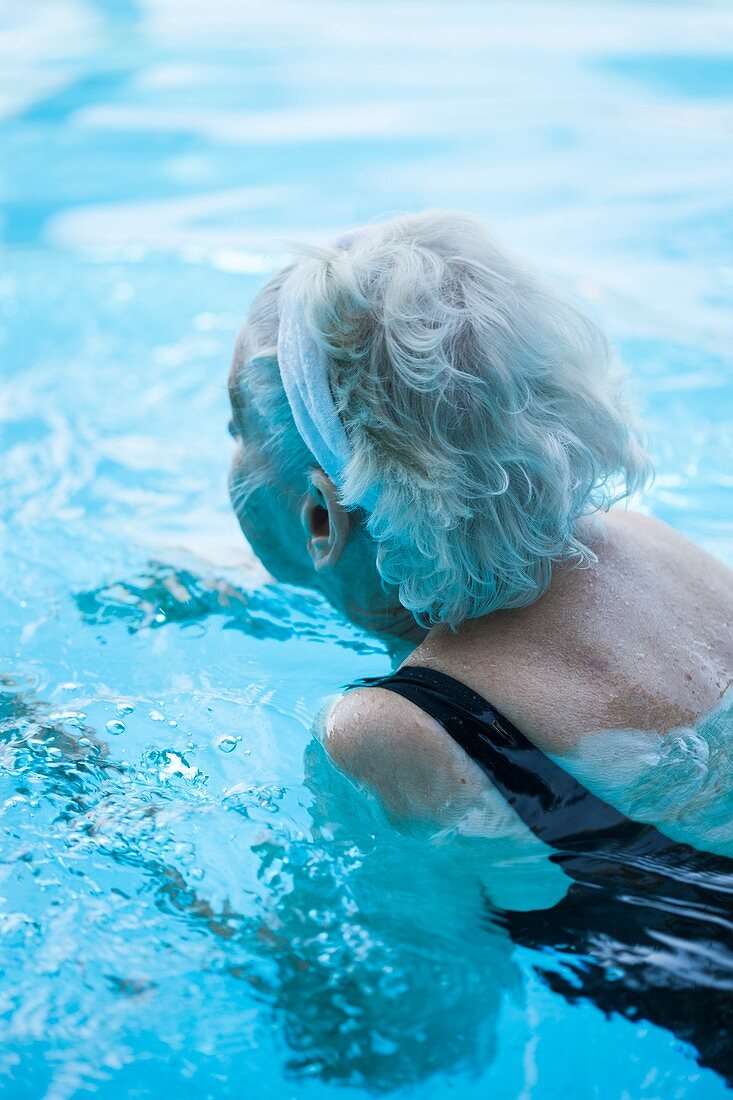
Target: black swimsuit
646 928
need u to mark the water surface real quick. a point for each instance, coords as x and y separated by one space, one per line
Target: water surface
189 898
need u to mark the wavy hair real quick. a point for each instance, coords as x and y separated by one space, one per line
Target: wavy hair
482 402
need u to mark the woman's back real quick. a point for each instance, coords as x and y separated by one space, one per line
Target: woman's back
642 640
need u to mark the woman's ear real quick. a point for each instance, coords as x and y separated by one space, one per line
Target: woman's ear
325 521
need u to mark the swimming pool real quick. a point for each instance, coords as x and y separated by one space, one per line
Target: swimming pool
190 899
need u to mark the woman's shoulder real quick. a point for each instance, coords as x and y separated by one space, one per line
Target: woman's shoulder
404 756
658 536
669 568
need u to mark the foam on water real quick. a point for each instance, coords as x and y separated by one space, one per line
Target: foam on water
681 782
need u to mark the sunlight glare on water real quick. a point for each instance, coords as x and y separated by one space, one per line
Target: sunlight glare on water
190 898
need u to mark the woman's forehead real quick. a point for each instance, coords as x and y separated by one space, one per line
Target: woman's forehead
236 370
235 398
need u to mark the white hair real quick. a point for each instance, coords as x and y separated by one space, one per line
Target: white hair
480 402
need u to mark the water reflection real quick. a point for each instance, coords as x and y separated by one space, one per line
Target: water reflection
646 937
362 965
165 595
384 975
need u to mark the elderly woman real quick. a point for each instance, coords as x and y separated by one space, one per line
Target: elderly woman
434 437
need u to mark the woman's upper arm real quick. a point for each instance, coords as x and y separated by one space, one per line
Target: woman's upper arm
408 760
420 774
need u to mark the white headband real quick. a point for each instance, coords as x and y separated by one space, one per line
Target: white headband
303 371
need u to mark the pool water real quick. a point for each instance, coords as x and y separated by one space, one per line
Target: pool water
191 899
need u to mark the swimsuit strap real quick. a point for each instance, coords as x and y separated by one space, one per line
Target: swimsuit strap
594 843
551 802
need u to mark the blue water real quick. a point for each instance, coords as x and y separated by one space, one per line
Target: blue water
190 899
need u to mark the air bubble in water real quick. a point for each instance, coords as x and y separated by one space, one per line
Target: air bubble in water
227 744
124 708
115 727
156 716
